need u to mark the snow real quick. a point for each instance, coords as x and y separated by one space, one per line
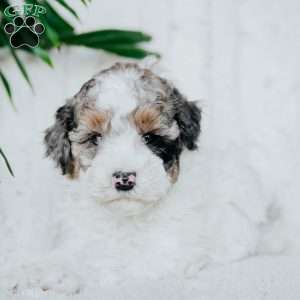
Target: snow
241 59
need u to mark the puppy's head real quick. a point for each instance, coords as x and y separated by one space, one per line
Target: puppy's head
124 132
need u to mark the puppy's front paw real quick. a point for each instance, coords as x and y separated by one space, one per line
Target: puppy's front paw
60 281
192 268
52 279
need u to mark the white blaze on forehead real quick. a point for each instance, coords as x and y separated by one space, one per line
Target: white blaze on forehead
118 93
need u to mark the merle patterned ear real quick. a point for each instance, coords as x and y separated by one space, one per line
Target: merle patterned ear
58 145
188 117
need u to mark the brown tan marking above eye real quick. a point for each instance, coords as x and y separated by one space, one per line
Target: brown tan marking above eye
147 118
96 121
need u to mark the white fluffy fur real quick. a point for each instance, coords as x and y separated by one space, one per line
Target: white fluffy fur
116 237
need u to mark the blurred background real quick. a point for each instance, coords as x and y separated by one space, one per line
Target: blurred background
240 58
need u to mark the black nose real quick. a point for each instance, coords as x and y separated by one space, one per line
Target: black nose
124 181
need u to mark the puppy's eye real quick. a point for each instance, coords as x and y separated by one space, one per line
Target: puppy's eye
94 139
147 138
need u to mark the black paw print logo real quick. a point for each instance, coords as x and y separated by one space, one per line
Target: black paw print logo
24 32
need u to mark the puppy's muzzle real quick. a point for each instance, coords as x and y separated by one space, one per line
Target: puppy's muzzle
124 181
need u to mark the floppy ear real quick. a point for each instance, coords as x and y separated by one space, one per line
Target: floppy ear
188 117
57 139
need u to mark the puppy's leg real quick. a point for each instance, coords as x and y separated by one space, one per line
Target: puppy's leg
42 277
234 235
229 236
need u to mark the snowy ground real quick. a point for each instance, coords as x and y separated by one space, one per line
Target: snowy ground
242 59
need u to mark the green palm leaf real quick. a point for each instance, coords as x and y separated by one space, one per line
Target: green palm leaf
6 162
21 66
55 20
108 36
43 55
128 50
6 86
59 31
67 7
85 2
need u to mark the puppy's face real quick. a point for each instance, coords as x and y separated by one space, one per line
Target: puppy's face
124 132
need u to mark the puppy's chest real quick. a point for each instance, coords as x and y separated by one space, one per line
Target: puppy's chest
134 248
157 230
159 242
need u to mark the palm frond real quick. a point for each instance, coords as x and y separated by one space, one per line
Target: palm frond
68 7
6 86
6 162
43 55
108 36
128 50
21 66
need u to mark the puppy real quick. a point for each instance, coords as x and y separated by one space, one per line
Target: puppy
126 129
122 137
